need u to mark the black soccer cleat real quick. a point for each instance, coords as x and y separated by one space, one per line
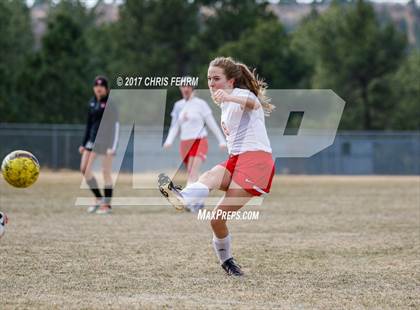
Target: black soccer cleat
170 191
232 268
178 187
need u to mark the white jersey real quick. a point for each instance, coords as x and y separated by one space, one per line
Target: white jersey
191 119
244 129
178 106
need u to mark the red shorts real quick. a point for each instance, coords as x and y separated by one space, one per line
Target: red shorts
253 171
193 148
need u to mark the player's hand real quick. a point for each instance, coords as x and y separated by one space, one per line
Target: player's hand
81 149
167 145
222 146
220 96
110 152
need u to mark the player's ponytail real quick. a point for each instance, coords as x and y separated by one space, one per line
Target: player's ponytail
246 79
251 81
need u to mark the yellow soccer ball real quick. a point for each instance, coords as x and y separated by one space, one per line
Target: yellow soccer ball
20 169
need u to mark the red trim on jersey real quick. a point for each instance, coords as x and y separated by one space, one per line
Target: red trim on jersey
253 171
193 148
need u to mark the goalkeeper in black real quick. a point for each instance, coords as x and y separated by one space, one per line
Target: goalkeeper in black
100 140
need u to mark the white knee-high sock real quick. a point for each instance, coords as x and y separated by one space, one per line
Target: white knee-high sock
223 248
195 193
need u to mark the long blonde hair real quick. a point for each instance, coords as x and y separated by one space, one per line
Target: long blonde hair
244 78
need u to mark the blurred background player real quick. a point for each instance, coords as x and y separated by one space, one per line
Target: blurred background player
249 170
3 222
104 145
189 117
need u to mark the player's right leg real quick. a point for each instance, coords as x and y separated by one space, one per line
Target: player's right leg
195 193
216 178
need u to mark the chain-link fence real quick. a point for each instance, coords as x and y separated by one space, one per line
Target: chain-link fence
361 152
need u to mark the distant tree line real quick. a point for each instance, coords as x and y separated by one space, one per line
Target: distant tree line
346 49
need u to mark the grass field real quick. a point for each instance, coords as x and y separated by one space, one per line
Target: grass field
320 242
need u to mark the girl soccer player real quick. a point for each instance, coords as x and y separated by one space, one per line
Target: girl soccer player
105 145
249 169
189 117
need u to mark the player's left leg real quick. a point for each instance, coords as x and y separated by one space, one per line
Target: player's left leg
105 207
86 167
234 199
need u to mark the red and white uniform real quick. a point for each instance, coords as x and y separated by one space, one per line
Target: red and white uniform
178 106
250 162
191 120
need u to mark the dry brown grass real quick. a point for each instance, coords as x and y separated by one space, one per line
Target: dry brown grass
320 242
